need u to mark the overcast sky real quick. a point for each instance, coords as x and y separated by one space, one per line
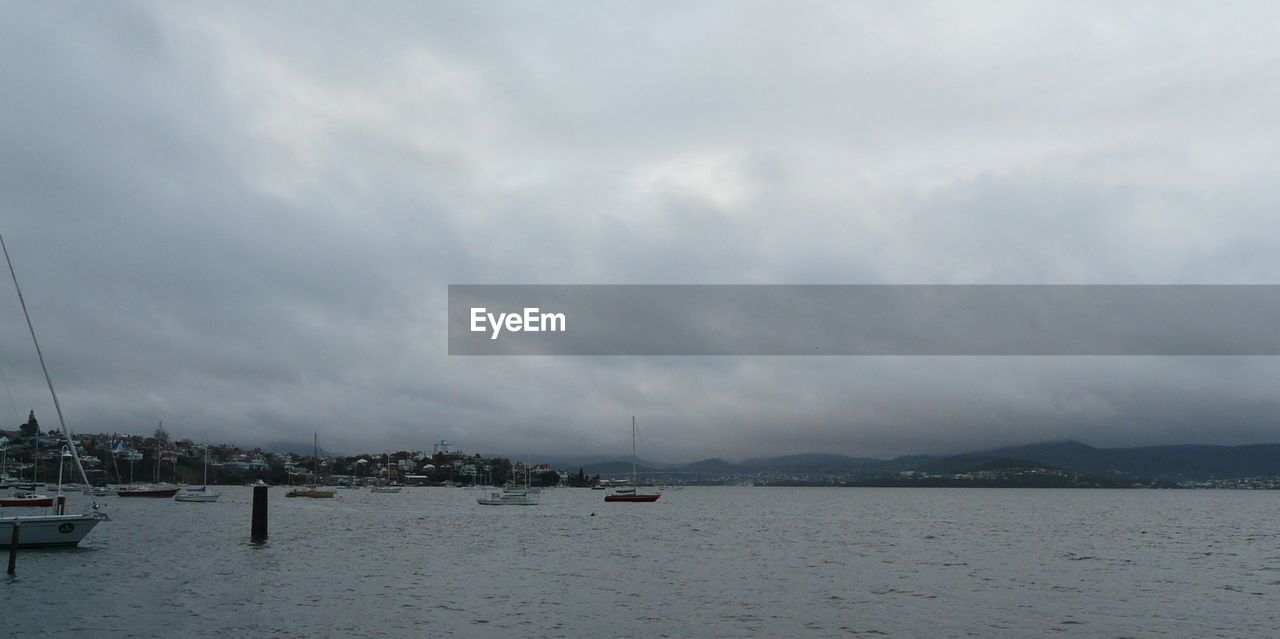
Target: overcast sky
242 219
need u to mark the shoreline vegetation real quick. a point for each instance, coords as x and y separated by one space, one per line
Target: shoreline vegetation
115 458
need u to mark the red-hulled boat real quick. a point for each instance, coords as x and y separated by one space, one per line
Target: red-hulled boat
630 494
26 501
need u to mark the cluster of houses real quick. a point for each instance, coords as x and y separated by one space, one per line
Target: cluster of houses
117 458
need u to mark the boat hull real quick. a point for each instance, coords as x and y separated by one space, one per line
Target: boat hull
632 498
312 494
18 502
47 530
154 494
508 499
199 498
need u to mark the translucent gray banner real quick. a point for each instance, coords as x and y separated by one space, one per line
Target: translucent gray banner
863 320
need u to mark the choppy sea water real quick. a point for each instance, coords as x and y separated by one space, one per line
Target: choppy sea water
700 562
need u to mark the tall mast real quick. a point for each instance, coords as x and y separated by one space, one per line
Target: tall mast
62 424
158 453
634 483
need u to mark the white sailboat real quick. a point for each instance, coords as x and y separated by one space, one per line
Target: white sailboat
512 496
507 499
56 529
201 494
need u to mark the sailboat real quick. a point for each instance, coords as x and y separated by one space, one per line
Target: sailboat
632 494
201 494
57 529
386 488
156 490
22 499
512 496
24 495
313 491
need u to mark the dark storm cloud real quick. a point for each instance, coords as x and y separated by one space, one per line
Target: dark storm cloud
241 219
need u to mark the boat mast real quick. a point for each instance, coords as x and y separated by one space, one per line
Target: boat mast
114 464
634 483
62 424
156 474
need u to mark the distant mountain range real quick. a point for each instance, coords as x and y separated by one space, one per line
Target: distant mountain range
1186 462
1177 463
1151 463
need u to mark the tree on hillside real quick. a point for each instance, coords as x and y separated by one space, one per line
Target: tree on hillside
32 427
579 479
548 478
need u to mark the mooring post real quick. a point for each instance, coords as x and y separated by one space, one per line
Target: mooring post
259 514
62 504
13 546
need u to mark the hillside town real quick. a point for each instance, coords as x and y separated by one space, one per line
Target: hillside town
28 453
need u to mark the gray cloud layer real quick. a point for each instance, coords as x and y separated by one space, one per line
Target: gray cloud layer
241 219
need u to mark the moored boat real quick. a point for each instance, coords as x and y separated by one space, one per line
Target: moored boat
26 500
526 490
200 495
385 485
197 497
512 495
632 497
48 530
313 491
629 493
156 491
508 499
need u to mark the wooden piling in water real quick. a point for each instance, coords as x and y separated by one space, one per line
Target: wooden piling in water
259 514
13 546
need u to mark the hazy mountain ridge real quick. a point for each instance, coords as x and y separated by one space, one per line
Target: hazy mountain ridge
1188 461
1182 462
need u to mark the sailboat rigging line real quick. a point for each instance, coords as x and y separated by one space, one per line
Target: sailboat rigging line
62 423
12 405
